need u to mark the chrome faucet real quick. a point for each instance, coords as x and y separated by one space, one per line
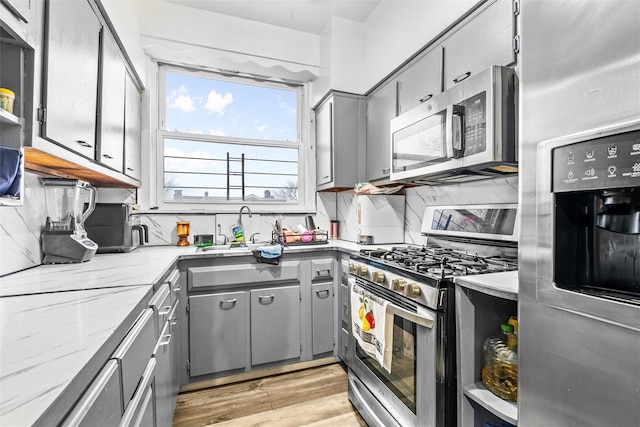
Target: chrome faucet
241 210
225 239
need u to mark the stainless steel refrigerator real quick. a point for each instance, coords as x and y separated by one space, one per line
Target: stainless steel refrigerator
579 250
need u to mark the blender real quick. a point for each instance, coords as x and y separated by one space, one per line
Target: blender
69 202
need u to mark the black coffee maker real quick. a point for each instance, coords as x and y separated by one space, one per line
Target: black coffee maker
112 228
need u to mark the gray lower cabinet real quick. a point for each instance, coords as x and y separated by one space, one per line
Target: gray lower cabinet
322 318
141 409
102 402
275 324
164 381
217 332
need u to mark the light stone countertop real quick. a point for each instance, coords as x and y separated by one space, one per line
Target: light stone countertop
50 343
59 324
503 285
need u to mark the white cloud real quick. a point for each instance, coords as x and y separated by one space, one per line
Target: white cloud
216 103
190 165
217 132
181 100
262 128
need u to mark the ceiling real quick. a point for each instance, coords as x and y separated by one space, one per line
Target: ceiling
304 15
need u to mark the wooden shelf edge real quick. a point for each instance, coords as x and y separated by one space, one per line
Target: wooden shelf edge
477 392
44 163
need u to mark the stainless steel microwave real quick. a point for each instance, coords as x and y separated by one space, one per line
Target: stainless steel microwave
465 133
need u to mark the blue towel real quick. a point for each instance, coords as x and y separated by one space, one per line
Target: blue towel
10 171
273 251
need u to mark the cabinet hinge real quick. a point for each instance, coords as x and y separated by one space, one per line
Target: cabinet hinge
300 295
516 7
188 366
42 114
516 43
187 307
301 348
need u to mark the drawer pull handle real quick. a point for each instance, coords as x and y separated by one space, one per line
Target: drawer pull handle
177 287
462 77
386 171
426 98
173 322
106 156
164 310
322 291
266 297
224 302
130 169
165 340
327 272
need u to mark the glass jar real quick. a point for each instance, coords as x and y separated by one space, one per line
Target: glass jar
500 368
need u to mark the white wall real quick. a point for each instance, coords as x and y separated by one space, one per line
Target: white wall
186 34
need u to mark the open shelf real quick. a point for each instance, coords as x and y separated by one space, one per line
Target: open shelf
477 392
9 119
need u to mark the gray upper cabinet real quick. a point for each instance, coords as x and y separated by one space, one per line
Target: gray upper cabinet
217 332
275 324
420 81
111 119
71 77
339 137
382 106
132 129
487 39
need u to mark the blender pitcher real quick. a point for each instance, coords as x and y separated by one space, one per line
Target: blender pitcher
69 203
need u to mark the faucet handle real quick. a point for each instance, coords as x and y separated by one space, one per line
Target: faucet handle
253 237
225 239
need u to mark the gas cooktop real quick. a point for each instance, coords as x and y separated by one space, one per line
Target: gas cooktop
439 263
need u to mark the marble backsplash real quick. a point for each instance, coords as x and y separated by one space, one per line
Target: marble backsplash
20 227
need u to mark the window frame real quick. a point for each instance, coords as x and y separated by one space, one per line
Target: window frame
306 156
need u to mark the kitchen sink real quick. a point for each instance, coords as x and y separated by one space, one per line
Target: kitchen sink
232 249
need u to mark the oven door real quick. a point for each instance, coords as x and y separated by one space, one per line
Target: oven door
411 394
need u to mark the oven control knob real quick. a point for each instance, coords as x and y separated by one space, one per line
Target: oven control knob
378 277
413 290
398 284
362 270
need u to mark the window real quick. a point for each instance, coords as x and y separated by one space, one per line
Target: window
226 141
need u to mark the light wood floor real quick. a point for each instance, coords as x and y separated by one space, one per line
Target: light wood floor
314 397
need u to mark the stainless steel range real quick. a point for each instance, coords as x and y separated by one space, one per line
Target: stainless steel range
414 382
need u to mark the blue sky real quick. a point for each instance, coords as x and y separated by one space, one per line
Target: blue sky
215 107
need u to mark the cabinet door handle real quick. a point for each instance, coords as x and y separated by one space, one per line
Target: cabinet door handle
228 301
173 322
164 310
106 156
325 177
322 291
130 169
462 77
84 144
165 340
426 98
326 271
386 170
266 297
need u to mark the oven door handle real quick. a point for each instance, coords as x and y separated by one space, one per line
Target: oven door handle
427 320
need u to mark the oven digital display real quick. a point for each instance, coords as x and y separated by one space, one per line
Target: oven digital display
483 221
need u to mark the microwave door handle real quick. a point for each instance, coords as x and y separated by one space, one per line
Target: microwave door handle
457 134
427 320
448 138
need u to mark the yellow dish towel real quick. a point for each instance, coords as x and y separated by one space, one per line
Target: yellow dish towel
372 325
